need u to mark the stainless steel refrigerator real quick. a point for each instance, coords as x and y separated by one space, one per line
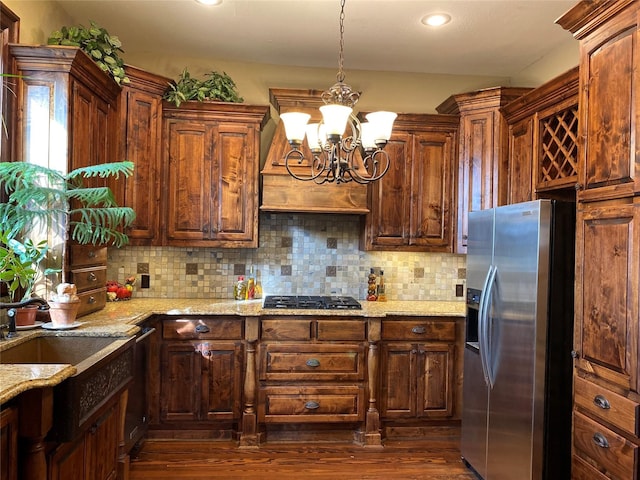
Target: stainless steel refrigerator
516 419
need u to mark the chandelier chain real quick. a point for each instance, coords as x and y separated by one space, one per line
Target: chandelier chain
340 75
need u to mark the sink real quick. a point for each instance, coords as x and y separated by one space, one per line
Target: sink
76 351
104 367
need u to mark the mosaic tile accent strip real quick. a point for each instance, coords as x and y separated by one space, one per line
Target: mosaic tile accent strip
299 268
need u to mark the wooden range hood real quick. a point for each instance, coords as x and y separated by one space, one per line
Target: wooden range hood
283 193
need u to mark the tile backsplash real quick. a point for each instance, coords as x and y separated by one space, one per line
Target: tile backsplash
299 254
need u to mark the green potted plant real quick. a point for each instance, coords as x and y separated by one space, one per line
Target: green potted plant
217 86
20 270
38 195
95 41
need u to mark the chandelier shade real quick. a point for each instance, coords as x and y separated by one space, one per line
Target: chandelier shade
338 140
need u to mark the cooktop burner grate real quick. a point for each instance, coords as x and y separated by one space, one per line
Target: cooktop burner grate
311 302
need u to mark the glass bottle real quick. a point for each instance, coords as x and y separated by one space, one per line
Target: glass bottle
382 289
251 286
240 289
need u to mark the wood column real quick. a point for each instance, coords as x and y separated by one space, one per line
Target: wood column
32 430
250 437
372 434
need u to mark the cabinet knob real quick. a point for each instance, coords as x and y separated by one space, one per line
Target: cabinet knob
602 402
91 254
578 186
91 300
600 440
313 362
418 329
311 405
202 329
575 354
92 277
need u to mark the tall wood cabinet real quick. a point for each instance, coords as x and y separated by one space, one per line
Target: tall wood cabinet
606 414
482 156
543 141
411 207
67 118
211 173
140 112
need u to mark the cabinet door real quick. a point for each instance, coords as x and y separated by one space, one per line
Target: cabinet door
68 461
520 172
9 444
389 218
101 447
431 190
235 169
398 392
607 276
610 109
142 145
181 382
222 370
435 384
190 165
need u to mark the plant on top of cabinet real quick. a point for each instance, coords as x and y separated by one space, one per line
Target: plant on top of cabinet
217 86
96 42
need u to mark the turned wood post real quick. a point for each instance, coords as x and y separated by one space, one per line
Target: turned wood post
372 435
123 455
249 435
32 430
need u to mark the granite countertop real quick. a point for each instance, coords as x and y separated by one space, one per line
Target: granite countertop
120 319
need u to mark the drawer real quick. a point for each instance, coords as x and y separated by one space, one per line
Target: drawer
612 452
607 405
85 255
200 328
89 278
419 330
92 300
311 404
581 470
342 330
285 329
312 362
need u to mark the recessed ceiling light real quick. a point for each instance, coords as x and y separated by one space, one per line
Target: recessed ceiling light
436 19
209 2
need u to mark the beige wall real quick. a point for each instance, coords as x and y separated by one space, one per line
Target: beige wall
400 92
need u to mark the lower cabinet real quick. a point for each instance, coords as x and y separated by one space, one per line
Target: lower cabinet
418 368
9 444
201 379
94 456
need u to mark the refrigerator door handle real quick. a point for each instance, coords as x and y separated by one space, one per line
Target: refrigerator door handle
481 325
485 345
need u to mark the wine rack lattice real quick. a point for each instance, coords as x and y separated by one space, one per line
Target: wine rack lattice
558 146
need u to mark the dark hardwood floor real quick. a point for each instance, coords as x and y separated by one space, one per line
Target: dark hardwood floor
421 459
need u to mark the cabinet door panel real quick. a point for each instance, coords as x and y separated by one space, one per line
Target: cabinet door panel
141 148
398 391
435 389
101 447
390 205
521 161
430 222
181 382
609 105
189 205
233 196
222 371
9 444
607 275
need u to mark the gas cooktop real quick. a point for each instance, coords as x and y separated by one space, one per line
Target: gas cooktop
311 302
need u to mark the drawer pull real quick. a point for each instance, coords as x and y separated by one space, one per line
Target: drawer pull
91 254
313 362
600 440
91 300
602 402
418 329
92 277
311 405
202 329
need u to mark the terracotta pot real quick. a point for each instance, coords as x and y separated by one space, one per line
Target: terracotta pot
63 314
26 315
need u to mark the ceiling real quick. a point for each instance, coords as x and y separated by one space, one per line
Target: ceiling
485 37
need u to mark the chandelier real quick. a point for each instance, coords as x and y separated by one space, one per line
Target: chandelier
343 148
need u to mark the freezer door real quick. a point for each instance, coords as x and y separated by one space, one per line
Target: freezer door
473 441
513 312
479 247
